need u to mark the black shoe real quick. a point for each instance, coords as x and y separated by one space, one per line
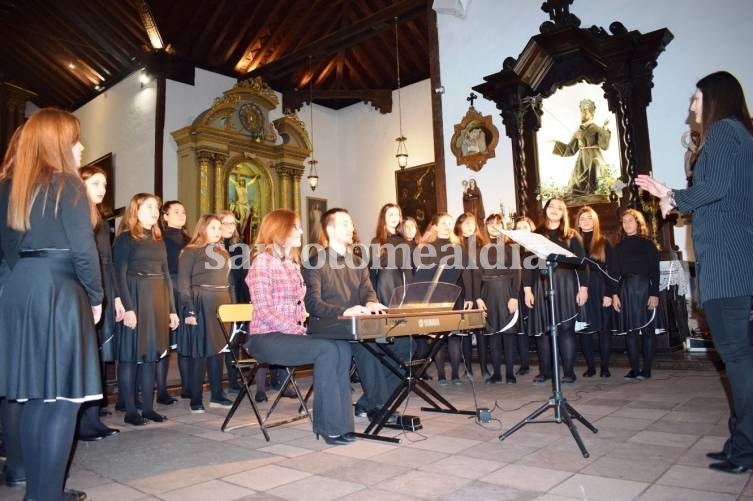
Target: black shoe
569 379
522 371
135 420
589 373
104 412
717 456
106 431
11 481
643 375
338 440
153 416
260 396
120 407
185 396
73 495
540 379
197 409
605 373
631 376
360 411
511 380
223 403
349 437
166 400
496 378
728 466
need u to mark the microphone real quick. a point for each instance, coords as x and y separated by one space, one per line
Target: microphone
561 258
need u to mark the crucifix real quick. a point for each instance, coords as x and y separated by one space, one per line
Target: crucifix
472 97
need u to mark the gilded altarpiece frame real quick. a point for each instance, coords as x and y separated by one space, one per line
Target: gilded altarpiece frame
233 146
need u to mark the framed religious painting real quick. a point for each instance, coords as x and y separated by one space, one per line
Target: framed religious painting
315 207
475 140
416 194
105 162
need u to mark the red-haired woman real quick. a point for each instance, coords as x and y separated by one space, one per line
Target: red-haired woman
50 301
599 310
203 268
276 331
571 287
637 263
146 291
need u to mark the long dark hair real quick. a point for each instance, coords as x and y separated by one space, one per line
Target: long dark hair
566 232
723 97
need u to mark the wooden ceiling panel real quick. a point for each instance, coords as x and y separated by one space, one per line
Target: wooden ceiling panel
351 43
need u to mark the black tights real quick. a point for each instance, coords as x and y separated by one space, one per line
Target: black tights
47 431
633 343
127 385
453 349
605 347
509 340
566 342
10 413
163 366
213 367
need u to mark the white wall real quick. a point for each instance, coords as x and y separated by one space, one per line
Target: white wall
367 166
183 104
121 121
705 36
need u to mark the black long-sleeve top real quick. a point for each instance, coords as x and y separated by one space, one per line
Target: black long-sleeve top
501 260
200 266
133 256
575 245
391 268
637 255
609 285
329 291
175 240
240 262
448 253
66 226
104 247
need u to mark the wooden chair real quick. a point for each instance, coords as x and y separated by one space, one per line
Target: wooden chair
247 365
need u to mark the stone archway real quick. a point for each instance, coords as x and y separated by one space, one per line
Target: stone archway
235 136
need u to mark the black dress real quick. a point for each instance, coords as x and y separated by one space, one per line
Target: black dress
203 286
394 268
637 263
48 346
144 283
500 281
239 264
599 286
175 239
106 328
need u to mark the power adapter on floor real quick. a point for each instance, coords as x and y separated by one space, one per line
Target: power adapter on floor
484 415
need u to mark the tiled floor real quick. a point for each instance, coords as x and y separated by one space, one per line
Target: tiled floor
650 446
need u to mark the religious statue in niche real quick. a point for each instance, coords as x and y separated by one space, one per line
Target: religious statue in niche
473 202
587 143
475 138
593 175
243 197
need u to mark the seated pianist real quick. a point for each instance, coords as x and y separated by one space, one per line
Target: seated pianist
338 284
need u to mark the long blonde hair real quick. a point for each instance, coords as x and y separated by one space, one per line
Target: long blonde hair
45 147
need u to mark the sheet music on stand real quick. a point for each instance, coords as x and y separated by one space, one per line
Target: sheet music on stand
537 244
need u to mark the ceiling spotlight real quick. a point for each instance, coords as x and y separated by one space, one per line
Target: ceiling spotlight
98 88
71 66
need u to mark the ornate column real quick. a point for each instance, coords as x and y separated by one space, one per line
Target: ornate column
285 175
219 182
297 194
205 159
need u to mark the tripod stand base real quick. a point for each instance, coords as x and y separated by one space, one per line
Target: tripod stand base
563 413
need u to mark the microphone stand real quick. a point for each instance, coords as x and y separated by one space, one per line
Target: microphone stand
563 411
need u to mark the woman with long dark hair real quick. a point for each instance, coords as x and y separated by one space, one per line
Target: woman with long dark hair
91 427
571 288
636 262
720 200
146 291
599 305
203 286
51 300
175 236
500 285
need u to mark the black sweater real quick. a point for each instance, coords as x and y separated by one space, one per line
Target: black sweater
637 255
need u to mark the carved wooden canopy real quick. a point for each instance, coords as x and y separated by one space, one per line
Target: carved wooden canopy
620 61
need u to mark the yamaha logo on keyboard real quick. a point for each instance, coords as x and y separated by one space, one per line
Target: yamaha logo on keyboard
428 322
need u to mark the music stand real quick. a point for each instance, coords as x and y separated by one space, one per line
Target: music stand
563 411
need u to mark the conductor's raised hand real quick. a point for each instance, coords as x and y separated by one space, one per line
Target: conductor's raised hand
652 186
